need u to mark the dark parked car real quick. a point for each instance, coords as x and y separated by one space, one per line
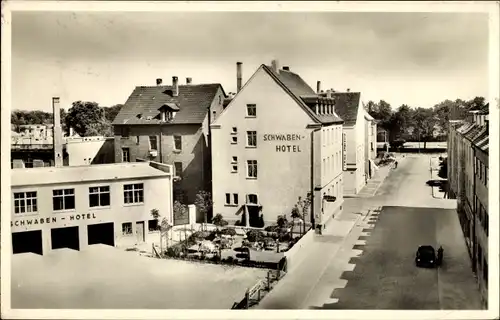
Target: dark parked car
425 257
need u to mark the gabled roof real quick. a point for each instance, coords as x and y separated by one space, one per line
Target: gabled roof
296 87
347 105
144 103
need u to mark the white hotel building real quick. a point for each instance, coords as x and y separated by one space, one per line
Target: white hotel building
276 141
73 207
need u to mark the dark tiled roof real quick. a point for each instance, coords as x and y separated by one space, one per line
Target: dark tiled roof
193 102
347 105
296 86
473 132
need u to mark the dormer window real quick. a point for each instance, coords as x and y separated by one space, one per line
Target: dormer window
168 111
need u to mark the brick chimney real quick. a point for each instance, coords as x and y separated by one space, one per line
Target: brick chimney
239 76
175 86
329 94
189 80
159 81
318 87
275 65
57 136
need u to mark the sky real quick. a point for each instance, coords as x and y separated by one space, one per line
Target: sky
418 59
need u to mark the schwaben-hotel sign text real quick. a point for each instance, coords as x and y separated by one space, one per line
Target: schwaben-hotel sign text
50 220
282 137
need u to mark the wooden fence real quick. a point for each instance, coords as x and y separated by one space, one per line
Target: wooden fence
254 294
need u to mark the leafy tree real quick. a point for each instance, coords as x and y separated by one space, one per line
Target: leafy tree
219 221
87 119
204 204
425 123
164 226
111 112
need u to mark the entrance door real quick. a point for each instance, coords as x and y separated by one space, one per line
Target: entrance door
139 228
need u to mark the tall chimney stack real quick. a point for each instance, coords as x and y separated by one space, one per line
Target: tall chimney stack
57 136
275 66
159 81
239 76
189 80
318 87
175 86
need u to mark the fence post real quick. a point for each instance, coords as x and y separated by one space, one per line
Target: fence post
247 298
268 279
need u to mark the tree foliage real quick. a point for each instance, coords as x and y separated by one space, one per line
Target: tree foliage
219 221
204 204
417 123
86 118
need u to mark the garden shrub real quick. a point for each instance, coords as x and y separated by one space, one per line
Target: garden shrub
228 231
255 235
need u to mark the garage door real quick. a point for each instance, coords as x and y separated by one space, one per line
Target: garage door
102 233
28 241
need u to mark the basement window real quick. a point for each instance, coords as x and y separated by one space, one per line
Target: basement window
127 228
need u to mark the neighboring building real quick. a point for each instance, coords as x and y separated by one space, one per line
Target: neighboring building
89 150
347 105
276 141
34 147
72 207
170 124
370 145
480 144
468 144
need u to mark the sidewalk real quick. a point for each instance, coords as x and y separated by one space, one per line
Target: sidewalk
302 283
371 187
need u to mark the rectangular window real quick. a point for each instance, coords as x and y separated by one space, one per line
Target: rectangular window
99 197
153 225
25 202
125 132
251 138
234 140
133 193
228 198
153 143
125 155
235 130
234 168
235 159
235 198
252 199
252 168
127 228
137 140
63 199
177 143
251 110
178 169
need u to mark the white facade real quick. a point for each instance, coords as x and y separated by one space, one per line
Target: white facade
277 142
355 175
90 150
78 206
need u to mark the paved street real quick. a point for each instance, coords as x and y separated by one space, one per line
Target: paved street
373 268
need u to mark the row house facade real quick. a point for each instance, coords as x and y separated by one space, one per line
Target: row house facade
170 124
359 130
277 140
468 144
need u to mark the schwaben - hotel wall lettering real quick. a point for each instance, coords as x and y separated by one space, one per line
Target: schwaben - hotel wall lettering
35 221
285 137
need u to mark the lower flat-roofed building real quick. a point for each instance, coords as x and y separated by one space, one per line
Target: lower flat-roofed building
73 207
